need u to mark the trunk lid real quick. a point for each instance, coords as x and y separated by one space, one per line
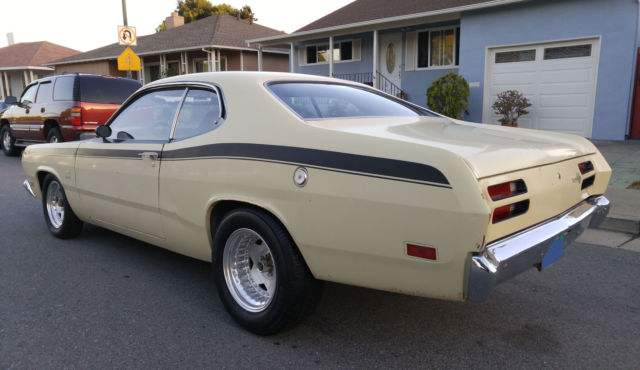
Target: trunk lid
489 150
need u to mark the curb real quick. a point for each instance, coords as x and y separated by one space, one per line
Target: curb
621 225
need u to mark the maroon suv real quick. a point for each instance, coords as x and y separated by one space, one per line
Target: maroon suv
62 108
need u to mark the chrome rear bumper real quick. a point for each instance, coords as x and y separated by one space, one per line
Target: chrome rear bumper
517 253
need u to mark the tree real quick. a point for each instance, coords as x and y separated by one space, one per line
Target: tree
449 95
193 10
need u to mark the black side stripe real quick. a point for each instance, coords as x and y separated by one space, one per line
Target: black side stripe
363 165
343 162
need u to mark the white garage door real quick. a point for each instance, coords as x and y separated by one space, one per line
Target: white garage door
558 78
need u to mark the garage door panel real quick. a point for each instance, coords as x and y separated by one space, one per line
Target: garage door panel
563 125
579 88
563 100
514 78
565 76
561 112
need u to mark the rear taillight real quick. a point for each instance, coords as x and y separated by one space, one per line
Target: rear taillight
512 210
507 190
76 116
504 191
585 167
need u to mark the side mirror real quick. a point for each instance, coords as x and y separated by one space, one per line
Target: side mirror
104 132
11 100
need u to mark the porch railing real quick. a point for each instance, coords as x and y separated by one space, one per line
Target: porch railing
362 77
384 84
389 87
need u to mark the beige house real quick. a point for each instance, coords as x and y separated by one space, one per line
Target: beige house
215 43
24 62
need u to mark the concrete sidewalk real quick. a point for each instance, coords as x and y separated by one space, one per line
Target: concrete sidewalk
621 229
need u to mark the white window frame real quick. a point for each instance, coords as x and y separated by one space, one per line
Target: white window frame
335 43
428 31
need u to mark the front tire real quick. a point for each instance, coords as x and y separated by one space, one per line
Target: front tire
261 276
58 215
7 142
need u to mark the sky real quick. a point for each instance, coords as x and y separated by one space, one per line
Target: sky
89 24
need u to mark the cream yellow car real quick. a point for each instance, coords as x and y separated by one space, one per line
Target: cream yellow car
285 180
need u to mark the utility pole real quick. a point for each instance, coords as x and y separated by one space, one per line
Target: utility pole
124 18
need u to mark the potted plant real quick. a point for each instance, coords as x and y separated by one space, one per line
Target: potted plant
449 95
511 105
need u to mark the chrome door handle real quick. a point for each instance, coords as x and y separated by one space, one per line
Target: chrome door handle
151 155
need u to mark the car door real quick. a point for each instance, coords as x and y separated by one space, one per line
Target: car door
117 178
38 111
19 119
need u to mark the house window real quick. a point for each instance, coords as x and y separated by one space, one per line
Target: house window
342 51
438 48
516 56
574 51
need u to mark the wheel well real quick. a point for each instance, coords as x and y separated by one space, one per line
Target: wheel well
48 125
221 208
41 175
3 122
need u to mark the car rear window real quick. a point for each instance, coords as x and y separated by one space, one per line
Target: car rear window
311 100
109 90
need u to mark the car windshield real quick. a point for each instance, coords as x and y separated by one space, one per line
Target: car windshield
312 100
108 90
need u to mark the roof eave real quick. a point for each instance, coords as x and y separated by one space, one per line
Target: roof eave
398 21
28 68
190 48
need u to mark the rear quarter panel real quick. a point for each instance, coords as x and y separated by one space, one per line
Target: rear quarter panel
350 228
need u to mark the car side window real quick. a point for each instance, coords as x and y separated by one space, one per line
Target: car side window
63 90
200 113
44 92
149 117
29 95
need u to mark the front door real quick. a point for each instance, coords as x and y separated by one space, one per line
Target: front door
389 61
118 179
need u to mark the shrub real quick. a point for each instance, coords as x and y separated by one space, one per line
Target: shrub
511 105
449 95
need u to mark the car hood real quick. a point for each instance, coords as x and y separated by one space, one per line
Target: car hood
489 150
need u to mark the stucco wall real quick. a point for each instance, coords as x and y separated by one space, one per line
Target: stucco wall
99 67
615 21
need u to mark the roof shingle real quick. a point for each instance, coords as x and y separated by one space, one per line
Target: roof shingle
32 54
219 30
367 10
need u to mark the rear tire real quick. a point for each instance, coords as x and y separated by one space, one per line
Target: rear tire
7 142
58 215
261 276
54 136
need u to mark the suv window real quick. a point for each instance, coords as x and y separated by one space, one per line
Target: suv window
63 89
28 96
109 90
149 117
44 92
312 100
200 113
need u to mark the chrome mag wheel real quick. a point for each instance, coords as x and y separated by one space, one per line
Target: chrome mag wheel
55 204
249 270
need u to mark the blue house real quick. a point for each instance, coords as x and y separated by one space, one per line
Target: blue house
574 59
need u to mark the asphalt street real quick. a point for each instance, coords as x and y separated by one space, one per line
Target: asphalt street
107 301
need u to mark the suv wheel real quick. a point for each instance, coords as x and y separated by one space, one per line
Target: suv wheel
54 136
7 142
